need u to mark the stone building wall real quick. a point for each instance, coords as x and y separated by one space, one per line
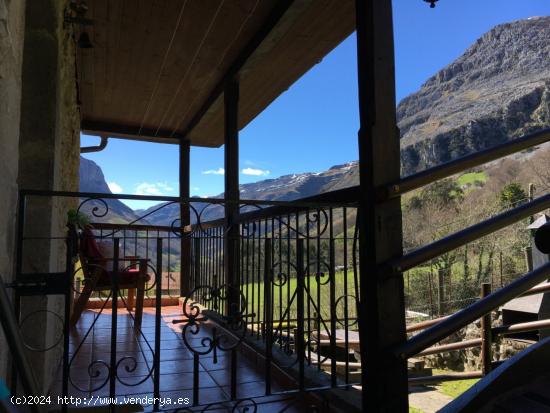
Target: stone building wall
46 158
12 25
65 172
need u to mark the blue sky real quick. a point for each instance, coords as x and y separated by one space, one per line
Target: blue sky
313 125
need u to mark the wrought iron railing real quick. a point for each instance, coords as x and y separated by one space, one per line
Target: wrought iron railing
272 241
140 240
290 306
439 329
295 301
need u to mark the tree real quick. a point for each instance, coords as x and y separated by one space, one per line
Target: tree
511 196
442 193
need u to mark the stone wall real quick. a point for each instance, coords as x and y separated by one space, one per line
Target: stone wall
470 359
48 160
12 23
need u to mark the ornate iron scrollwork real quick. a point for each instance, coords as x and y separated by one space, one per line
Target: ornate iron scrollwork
234 323
101 369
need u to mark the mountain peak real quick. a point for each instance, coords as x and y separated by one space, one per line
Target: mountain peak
497 90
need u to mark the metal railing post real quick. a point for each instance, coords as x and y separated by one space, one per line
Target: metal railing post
158 309
268 318
197 262
300 287
114 324
486 335
333 315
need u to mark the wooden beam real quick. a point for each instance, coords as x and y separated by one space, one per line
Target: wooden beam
381 308
232 73
114 130
231 193
185 217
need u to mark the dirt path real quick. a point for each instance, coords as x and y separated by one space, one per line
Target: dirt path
427 399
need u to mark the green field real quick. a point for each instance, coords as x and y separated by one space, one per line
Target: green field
316 297
454 388
472 178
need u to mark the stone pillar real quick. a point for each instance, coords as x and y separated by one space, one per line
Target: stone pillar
48 160
12 26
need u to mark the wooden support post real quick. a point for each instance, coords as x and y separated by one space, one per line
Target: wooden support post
185 218
382 308
231 195
486 335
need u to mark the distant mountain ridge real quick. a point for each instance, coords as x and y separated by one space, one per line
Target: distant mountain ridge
498 90
284 188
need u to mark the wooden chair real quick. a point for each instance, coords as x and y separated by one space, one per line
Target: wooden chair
98 277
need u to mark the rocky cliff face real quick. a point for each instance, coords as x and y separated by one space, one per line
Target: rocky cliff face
498 90
93 180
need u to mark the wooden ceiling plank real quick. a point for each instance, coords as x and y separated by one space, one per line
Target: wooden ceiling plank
263 83
135 39
209 68
196 21
269 55
250 28
159 33
256 92
114 14
98 13
126 40
276 15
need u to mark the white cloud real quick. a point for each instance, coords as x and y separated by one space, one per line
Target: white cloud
159 188
115 188
219 171
165 186
255 172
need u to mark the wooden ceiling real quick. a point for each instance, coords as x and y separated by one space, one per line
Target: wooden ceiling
157 67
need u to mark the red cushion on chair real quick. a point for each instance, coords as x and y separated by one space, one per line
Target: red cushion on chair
88 245
91 250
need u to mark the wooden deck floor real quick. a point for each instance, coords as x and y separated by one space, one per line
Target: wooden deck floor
89 375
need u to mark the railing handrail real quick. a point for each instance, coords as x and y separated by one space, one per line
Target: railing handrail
447 169
471 313
323 200
460 238
134 227
541 288
346 197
